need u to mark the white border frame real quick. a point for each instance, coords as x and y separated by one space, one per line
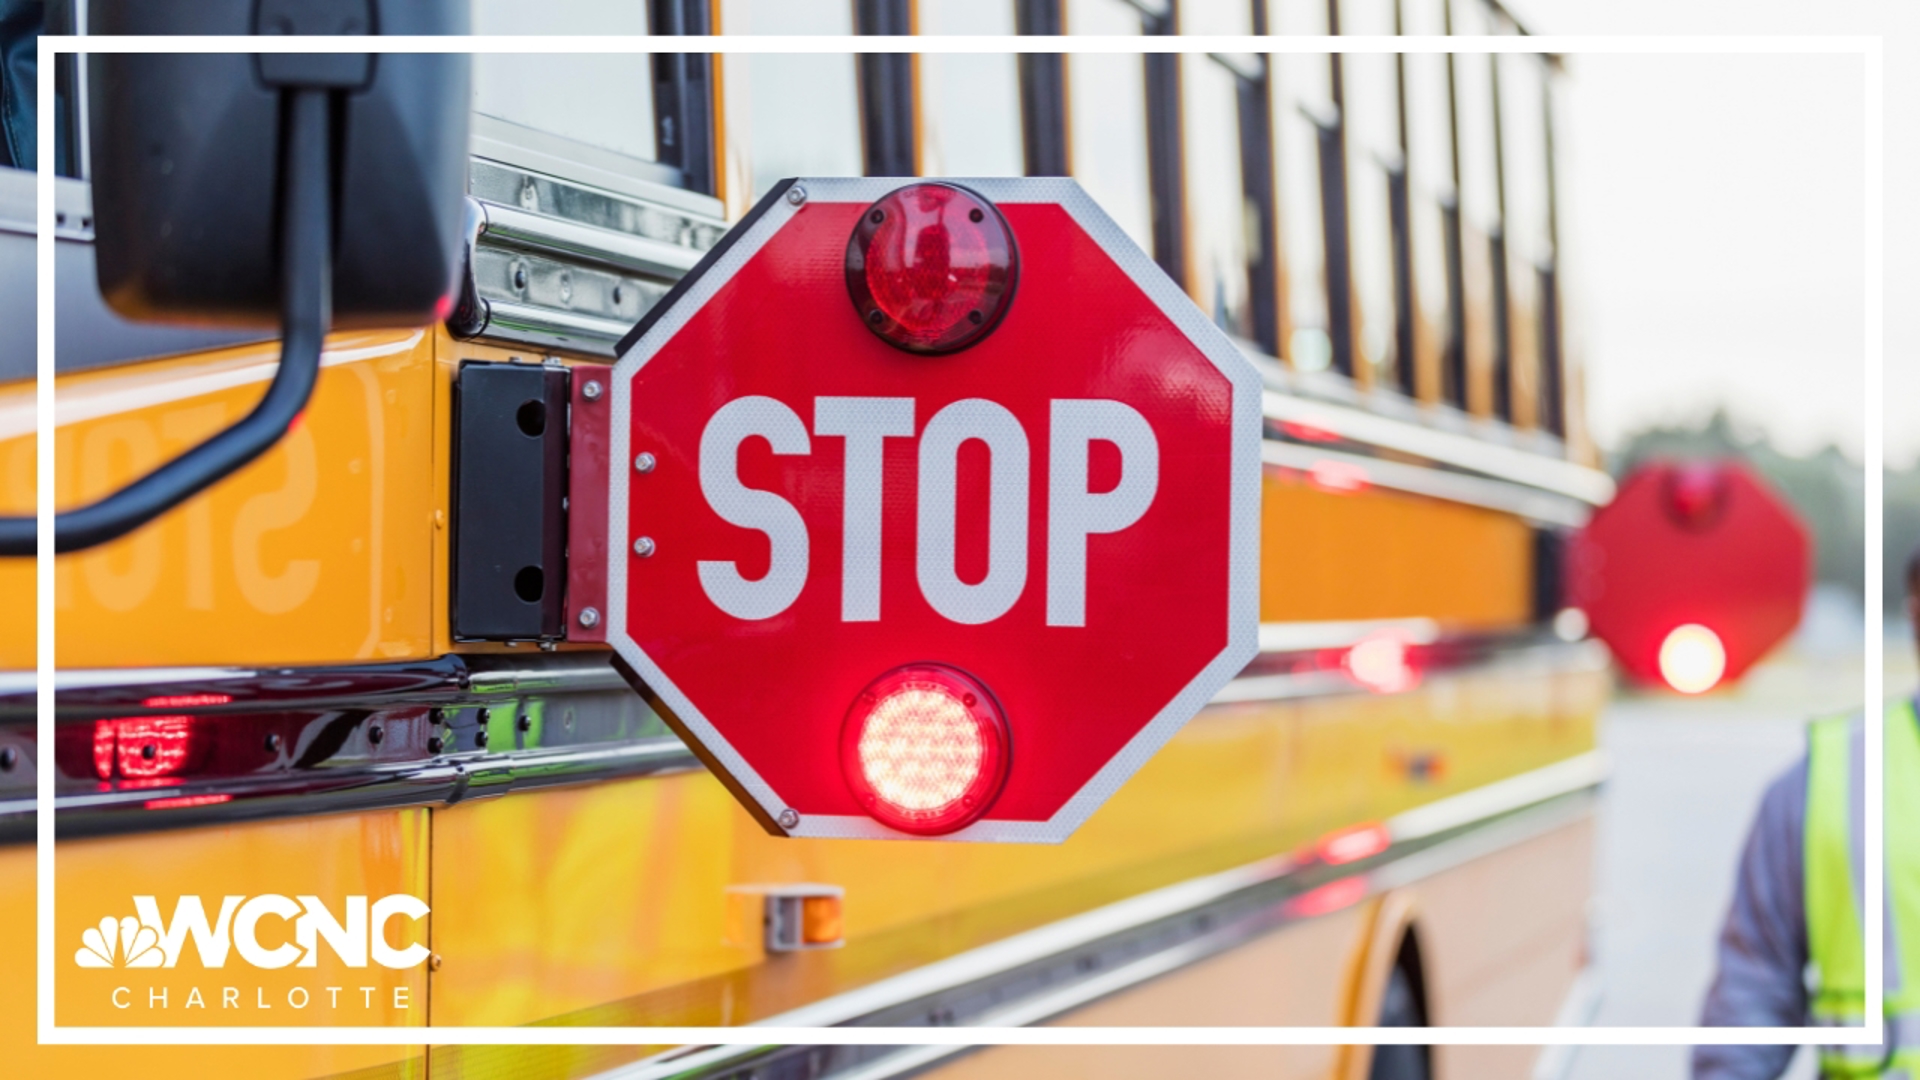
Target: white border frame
48 1033
1243 525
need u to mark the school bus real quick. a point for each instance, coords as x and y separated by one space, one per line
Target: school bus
267 700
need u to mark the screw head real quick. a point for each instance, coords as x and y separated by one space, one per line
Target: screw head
519 277
789 819
644 463
643 547
796 195
273 742
9 757
589 617
376 735
524 723
434 961
591 391
434 744
480 737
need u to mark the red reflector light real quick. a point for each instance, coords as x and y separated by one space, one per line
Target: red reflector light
139 747
182 802
925 749
1696 495
1354 844
1338 477
932 268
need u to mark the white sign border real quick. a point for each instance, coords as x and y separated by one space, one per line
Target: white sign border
773 213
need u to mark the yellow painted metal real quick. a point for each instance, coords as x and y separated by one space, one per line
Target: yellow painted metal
17 464
316 553
1381 554
373 854
607 904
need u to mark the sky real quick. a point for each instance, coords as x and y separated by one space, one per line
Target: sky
1716 226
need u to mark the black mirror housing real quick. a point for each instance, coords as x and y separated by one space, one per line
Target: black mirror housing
187 153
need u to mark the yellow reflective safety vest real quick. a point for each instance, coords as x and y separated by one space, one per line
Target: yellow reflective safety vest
1834 867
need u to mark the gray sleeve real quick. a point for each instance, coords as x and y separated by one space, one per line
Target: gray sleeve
1760 981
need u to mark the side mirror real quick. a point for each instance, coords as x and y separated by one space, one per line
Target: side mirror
190 155
312 189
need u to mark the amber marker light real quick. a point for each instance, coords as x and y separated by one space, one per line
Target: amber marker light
932 268
925 749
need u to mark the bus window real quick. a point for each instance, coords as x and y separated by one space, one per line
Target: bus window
1223 224
600 101
1107 118
1429 193
1375 165
1479 197
969 103
1524 165
1302 92
788 114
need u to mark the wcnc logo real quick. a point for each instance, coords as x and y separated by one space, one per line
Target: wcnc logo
145 940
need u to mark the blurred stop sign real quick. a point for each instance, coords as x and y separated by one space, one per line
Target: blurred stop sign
1692 573
934 509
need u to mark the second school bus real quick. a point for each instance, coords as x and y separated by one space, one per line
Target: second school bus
263 693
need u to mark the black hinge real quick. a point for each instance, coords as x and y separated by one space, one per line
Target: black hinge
509 502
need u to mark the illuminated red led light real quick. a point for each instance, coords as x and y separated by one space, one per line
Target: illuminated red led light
1382 664
182 802
1696 495
925 749
141 747
932 268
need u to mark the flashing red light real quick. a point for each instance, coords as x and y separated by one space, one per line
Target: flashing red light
932 268
1293 429
1693 659
142 747
181 802
1381 664
1355 843
1696 495
186 701
1338 477
925 749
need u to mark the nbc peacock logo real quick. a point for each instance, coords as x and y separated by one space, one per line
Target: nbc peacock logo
122 942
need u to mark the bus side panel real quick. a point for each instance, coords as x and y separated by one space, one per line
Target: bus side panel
608 903
1378 554
373 854
18 463
316 553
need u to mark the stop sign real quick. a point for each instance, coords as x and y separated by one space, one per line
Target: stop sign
1692 573
934 509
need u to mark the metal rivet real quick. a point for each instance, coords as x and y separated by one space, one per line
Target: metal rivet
273 742
486 715
643 547
643 463
589 617
434 961
436 715
789 819
616 295
149 751
591 391
524 723
375 735
9 757
480 737
519 277
433 745
796 195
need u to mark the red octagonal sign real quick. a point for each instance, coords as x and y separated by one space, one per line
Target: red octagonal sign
934 511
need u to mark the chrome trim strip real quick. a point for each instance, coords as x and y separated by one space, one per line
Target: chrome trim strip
551 329
572 240
1508 497
1462 451
1276 637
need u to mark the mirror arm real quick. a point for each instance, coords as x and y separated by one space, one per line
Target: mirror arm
306 305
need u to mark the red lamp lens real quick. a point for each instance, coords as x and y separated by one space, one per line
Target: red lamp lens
932 268
1696 495
925 749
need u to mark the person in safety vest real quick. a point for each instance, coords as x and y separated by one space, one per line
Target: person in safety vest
1791 952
